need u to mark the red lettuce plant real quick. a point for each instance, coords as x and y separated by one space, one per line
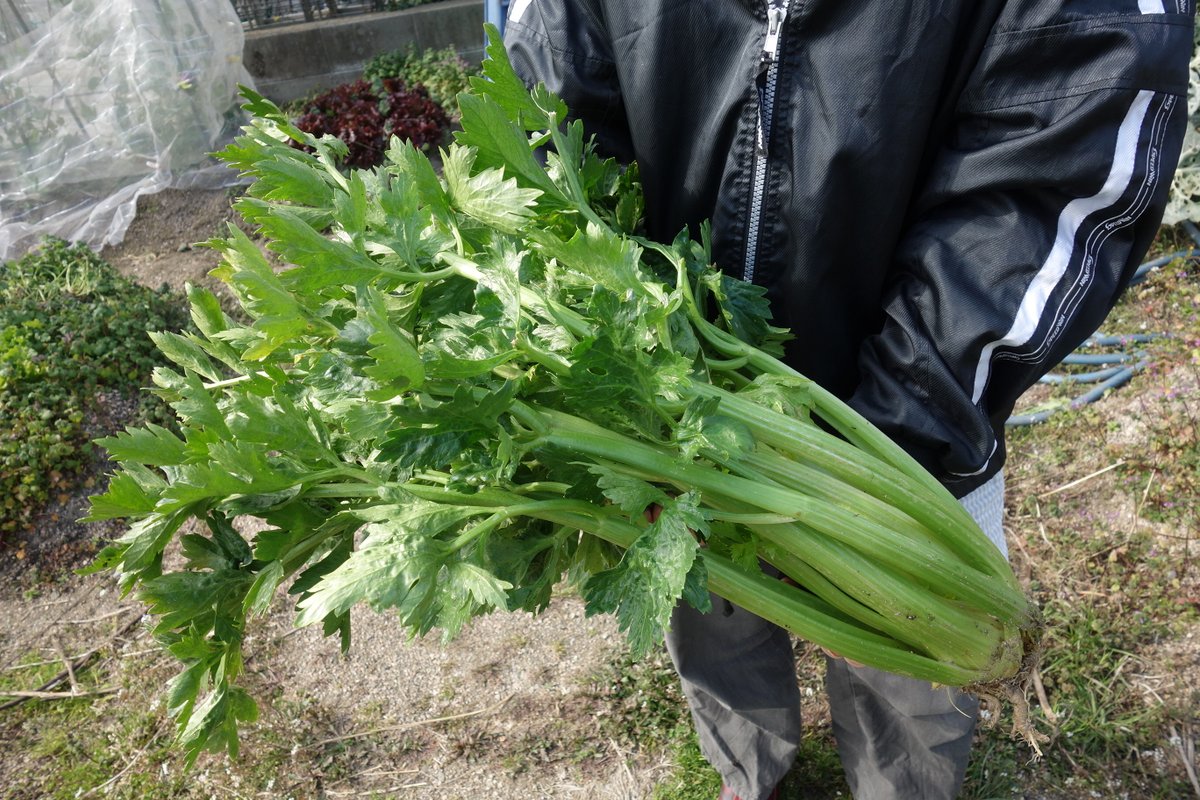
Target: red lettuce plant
366 115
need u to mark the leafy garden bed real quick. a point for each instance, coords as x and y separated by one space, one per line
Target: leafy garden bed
74 344
75 351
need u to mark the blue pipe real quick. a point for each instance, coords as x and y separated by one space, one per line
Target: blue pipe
1120 340
1115 376
1192 230
1120 378
1081 377
1145 269
1096 359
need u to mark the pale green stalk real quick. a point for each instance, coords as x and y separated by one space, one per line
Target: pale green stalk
793 609
948 577
804 441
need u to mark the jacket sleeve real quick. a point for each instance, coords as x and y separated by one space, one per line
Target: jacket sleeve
1034 214
563 44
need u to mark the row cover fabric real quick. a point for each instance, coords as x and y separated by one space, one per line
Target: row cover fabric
102 101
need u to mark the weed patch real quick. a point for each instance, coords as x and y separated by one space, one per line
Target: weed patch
1102 522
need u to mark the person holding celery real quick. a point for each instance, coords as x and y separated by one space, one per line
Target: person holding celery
941 199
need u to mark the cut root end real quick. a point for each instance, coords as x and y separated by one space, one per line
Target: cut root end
1014 692
1022 721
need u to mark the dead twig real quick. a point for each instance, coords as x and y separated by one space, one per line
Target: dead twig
74 667
1084 479
1027 560
59 602
115 778
1186 746
1044 701
1041 526
100 618
373 792
146 652
33 695
419 724
33 664
290 633
1138 506
1074 765
624 763
374 772
62 653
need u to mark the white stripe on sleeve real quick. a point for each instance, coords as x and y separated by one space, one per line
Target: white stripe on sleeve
1037 294
517 8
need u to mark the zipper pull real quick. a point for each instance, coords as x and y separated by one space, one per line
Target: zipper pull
776 13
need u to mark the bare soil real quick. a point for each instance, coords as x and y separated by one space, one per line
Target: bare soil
160 245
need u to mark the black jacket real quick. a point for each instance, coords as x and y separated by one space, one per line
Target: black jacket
943 198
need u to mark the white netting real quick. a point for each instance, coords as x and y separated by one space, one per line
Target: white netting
105 100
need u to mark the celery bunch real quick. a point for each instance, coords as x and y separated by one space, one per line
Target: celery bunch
463 388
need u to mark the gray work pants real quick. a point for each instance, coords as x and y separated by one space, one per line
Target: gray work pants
899 738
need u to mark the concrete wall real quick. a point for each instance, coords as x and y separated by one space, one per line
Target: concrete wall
297 60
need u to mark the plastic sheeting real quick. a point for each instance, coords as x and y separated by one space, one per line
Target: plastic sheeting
105 100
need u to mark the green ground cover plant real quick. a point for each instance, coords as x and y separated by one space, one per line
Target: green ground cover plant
443 73
70 327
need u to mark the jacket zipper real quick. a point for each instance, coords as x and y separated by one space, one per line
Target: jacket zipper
768 74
